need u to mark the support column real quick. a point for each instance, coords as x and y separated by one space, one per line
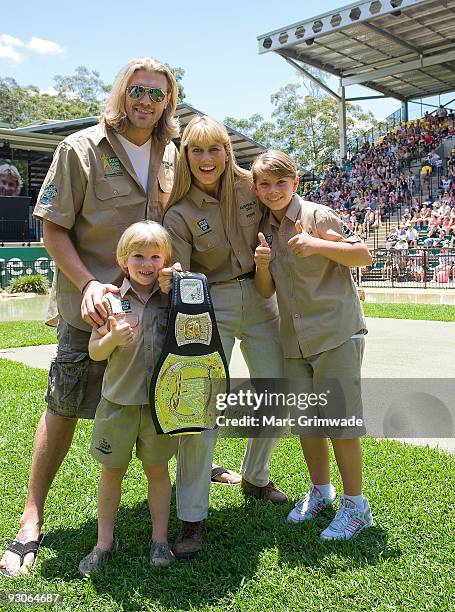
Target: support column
342 123
404 111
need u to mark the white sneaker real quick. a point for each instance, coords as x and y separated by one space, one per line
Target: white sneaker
310 505
348 521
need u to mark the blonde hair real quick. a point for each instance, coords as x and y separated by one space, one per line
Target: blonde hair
10 170
204 131
143 234
274 162
114 114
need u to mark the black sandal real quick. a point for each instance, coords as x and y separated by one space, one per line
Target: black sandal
21 549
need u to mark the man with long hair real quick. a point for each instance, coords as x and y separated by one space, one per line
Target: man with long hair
102 179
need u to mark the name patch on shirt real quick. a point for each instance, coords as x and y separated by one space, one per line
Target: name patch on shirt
111 166
48 194
203 225
126 305
167 164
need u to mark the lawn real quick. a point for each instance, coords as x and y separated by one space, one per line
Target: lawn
32 333
252 559
25 333
423 312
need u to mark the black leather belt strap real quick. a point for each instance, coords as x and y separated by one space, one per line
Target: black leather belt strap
192 368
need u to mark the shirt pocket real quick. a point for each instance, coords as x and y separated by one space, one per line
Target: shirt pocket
165 178
112 190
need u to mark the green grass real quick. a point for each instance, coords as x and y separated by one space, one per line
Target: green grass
32 333
25 333
424 312
252 559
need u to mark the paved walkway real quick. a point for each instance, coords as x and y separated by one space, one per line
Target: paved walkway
400 349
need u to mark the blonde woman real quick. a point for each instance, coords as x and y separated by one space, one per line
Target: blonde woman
213 218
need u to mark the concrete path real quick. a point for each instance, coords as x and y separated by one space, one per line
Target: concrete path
395 348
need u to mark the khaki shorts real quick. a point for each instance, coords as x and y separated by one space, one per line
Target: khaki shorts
333 379
118 428
75 380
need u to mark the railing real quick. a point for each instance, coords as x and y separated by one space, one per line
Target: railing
20 230
432 268
17 268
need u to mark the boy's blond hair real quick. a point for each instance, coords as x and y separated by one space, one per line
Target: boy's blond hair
203 131
274 162
143 234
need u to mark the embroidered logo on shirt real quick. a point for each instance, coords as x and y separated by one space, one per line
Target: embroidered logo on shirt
249 208
126 305
48 194
111 166
167 164
104 447
347 231
203 224
269 239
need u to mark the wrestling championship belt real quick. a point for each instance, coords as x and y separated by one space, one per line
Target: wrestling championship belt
192 368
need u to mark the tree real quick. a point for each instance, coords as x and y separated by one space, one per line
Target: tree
78 95
304 126
179 73
85 85
255 127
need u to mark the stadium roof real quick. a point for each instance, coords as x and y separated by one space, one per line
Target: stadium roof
245 149
403 49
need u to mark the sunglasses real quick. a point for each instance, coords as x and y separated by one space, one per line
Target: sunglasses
136 92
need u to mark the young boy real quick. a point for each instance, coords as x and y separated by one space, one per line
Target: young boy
132 341
305 254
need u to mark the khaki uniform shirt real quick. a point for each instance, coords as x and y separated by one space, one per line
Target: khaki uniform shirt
317 299
92 190
129 368
200 241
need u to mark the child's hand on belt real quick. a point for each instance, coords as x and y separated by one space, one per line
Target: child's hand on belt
165 277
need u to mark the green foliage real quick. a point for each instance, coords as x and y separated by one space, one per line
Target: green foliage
255 127
78 95
32 283
179 73
304 124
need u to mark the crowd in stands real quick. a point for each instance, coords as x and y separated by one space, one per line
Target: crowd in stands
378 180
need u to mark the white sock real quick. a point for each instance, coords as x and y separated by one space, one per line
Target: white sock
356 499
326 490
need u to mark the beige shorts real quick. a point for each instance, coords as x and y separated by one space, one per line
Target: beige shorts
332 383
118 428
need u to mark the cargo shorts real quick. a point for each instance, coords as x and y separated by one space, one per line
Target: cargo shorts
75 381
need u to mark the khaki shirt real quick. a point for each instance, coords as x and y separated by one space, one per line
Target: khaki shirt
129 368
317 299
91 190
200 241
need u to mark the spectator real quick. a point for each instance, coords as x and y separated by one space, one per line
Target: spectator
10 180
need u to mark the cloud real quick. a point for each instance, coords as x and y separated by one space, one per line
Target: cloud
8 52
9 46
10 41
44 47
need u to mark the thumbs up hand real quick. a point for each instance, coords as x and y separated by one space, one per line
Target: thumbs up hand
262 253
303 244
121 332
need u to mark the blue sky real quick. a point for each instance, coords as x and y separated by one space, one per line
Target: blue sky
215 42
